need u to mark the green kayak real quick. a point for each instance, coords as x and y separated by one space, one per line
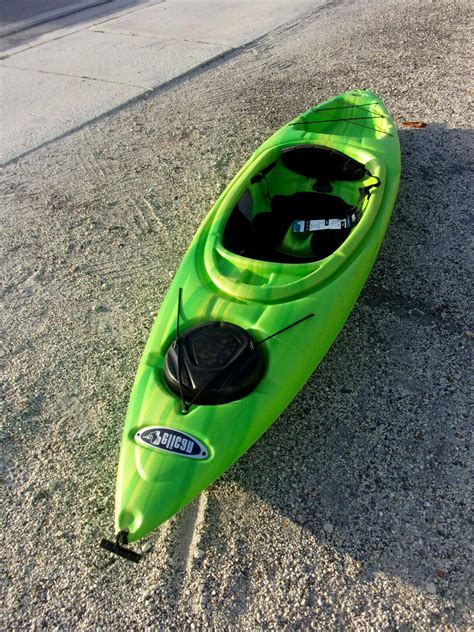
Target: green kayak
265 287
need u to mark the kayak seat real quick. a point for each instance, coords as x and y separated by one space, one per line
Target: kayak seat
324 164
216 362
270 228
262 237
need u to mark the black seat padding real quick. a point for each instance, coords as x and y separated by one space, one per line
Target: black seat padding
271 228
323 163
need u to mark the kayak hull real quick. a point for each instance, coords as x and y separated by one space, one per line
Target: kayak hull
261 297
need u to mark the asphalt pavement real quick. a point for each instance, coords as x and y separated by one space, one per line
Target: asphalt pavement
17 11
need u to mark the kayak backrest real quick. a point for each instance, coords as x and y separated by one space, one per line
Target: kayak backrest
269 235
315 161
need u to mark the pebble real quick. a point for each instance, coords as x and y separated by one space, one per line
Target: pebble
327 526
99 308
358 566
430 588
147 547
198 554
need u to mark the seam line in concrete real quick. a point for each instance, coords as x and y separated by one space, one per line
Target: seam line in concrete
63 74
142 8
186 76
50 16
154 37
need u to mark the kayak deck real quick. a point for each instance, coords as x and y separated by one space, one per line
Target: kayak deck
290 282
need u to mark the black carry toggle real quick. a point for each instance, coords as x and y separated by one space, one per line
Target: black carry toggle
367 190
118 547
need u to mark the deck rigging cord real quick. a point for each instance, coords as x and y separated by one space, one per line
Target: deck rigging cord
178 347
349 118
361 106
345 107
280 331
377 129
352 120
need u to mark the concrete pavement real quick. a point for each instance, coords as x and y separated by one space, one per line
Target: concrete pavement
54 81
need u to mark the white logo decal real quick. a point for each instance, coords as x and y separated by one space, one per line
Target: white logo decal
171 441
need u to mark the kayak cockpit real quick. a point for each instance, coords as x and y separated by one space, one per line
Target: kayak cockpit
295 214
300 207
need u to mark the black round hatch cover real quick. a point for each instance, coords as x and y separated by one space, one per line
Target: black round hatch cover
218 361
